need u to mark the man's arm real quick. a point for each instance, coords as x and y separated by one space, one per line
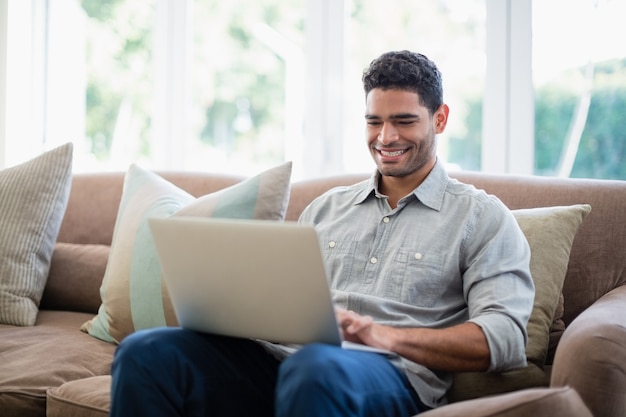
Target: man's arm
459 348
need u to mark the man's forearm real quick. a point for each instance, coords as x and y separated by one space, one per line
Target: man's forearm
456 349
459 348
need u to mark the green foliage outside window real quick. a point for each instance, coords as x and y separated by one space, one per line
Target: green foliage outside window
602 149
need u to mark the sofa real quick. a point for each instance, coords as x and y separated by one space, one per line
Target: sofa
54 369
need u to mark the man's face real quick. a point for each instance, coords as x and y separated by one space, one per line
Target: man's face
401 132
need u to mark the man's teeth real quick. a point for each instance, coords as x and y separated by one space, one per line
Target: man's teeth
394 153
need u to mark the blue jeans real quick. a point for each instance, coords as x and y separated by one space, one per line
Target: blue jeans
177 372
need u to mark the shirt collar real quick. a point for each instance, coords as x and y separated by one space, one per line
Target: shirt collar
430 192
369 188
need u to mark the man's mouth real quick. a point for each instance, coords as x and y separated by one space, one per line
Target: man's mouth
391 154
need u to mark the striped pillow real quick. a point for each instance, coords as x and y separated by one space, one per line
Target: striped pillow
33 198
133 293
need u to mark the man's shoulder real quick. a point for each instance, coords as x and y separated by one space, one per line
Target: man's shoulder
474 199
459 189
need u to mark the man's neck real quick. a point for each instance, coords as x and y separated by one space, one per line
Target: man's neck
395 188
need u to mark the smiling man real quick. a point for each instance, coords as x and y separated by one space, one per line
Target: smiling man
420 265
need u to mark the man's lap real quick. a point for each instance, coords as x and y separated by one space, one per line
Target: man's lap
234 369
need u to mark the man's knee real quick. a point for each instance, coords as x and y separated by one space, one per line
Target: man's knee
144 346
314 365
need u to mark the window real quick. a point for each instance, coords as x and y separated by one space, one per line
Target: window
247 76
240 86
580 86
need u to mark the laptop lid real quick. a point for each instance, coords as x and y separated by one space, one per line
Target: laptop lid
247 278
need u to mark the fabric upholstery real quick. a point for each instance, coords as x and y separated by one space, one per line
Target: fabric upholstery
89 397
76 272
591 355
33 197
530 402
34 359
133 293
550 232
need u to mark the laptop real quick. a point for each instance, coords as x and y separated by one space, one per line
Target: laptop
256 279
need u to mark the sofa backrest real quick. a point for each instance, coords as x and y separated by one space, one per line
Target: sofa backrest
597 261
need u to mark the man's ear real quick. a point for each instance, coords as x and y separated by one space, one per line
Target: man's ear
441 118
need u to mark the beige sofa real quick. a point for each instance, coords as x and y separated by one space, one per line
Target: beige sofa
54 369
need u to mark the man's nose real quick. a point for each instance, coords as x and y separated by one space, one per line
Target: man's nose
388 134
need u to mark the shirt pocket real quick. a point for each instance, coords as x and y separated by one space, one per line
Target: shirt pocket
339 258
416 277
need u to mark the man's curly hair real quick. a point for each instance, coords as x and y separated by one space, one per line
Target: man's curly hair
406 70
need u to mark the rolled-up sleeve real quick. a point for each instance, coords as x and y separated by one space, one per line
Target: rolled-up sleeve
499 288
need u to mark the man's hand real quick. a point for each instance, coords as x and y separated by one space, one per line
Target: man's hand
362 329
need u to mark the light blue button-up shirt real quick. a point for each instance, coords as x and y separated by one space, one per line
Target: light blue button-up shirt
448 254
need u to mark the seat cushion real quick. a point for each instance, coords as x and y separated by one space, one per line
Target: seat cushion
89 397
52 352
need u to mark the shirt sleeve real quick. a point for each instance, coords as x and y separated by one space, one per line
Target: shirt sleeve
498 286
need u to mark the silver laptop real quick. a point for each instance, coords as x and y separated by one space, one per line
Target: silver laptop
247 278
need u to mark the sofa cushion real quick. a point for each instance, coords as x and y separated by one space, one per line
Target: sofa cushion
76 272
36 358
89 397
550 232
133 294
33 198
536 402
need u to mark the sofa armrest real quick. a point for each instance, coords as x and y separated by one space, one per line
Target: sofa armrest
591 356
536 402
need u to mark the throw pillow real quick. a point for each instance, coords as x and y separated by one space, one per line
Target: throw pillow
75 276
33 198
134 296
550 232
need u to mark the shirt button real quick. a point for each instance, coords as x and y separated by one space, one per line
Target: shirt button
385 219
418 256
332 244
373 260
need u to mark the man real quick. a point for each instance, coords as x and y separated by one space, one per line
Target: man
420 265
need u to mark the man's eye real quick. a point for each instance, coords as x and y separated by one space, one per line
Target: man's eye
373 123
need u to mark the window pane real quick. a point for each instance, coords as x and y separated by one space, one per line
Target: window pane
452 34
119 87
247 65
579 72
